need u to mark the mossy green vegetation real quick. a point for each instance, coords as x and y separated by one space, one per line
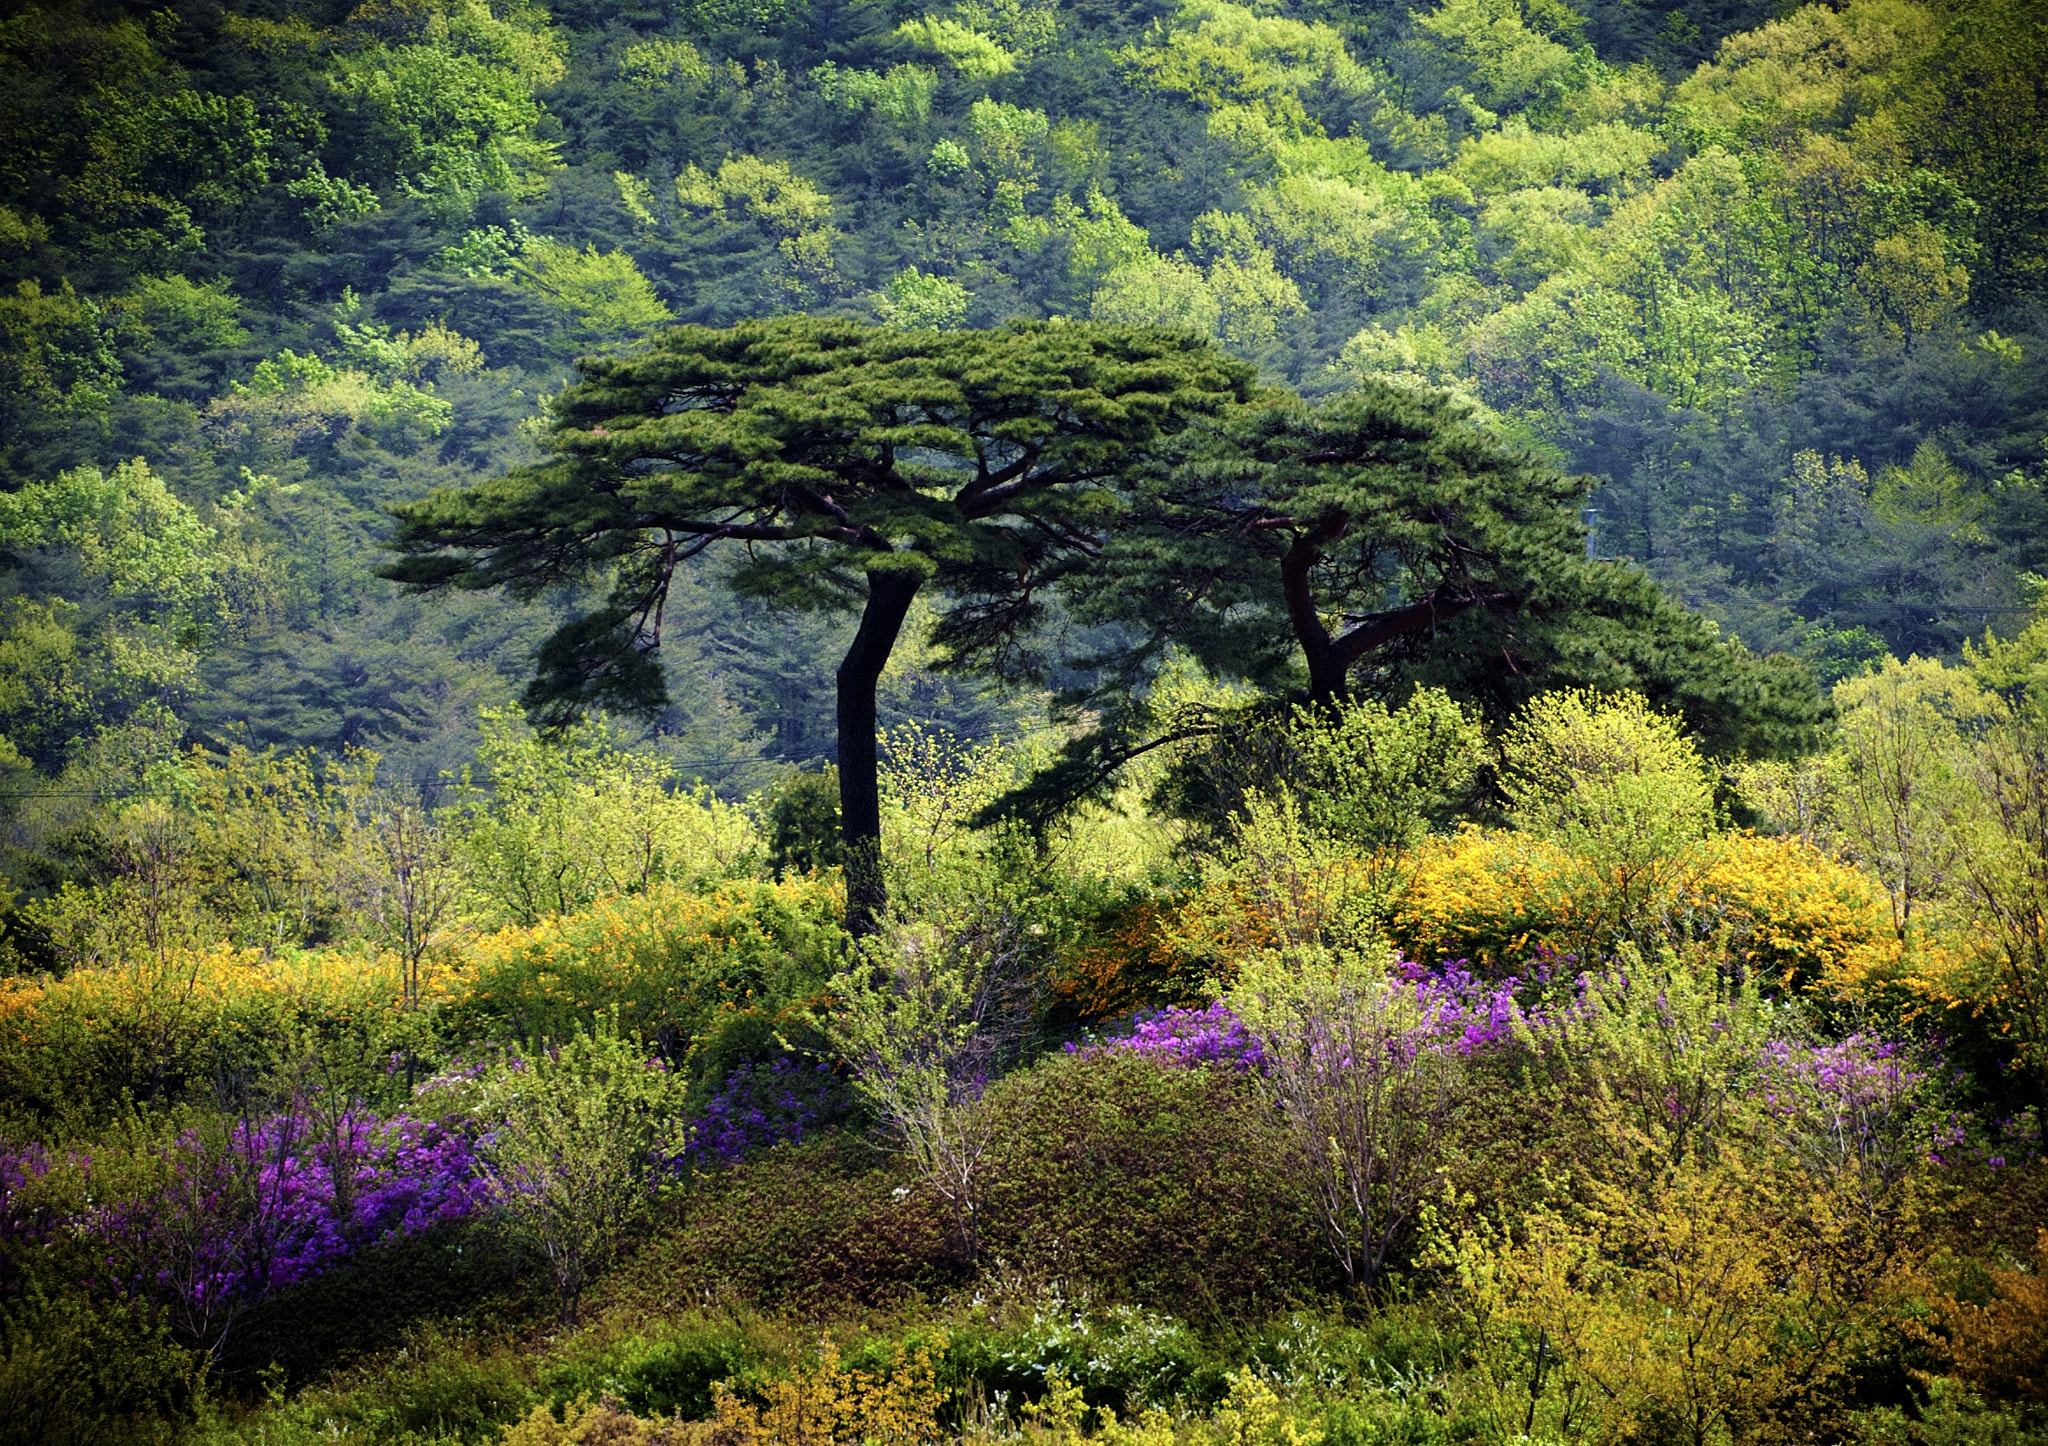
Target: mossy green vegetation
1298 723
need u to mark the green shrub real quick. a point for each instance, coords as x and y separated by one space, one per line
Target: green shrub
667 1370
1143 1183
678 966
576 818
826 1224
1125 1357
73 1373
803 824
578 1139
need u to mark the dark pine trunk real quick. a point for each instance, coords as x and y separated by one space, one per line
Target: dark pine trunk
1330 660
890 592
1327 666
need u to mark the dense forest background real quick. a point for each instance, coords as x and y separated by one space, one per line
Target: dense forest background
1583 1030
1771 276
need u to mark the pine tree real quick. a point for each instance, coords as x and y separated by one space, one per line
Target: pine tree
857 464
1379 541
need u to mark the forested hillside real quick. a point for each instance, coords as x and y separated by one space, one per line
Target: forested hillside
1174 724
1772 281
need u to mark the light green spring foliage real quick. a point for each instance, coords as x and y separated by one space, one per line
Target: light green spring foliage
910 1017
572 1138
375 380
601 297
776 204
2001 823
902 94
917 301
651 64
596 297
567 822
1375 777
1938 787
1897 776
446 99
128 531
933 785
143 585
1315 859
984 39
257 848
1610 779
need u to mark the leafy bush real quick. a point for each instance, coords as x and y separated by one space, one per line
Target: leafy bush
820 1226
667 1369
1124 1357
678 966
1111 1173
73 1375
578 1139
572 820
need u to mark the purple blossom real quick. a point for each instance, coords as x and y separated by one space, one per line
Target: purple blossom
1455 1011
232 1222
757 1107
1185 1037
1460 1011
1848 1110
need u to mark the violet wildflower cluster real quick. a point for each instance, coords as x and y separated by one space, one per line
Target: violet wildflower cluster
1187 1037
1454 1011
1461 1012
1848 1109
233 1222
758 1106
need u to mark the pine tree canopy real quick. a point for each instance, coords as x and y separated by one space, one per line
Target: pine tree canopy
1379 541
856 463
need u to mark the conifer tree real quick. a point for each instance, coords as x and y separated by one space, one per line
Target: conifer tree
1378 541
858 463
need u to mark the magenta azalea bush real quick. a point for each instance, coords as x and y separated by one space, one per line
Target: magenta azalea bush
1186 1037
761 1105
1457 1011
230 1218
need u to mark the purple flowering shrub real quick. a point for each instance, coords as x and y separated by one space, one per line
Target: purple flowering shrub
235 1217
1849 1112
1185 1037
761 1105
1454 1010
216 1220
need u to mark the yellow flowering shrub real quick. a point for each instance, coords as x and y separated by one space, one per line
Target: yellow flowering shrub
669 959
1783 906
1721 1302
833 1405
1793 913
1487 896
1282 886
156 1031
604 1423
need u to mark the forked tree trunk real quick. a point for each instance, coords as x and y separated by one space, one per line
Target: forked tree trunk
1330 660
890 593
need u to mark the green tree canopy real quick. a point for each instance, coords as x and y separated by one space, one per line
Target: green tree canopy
1379 541
858 462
